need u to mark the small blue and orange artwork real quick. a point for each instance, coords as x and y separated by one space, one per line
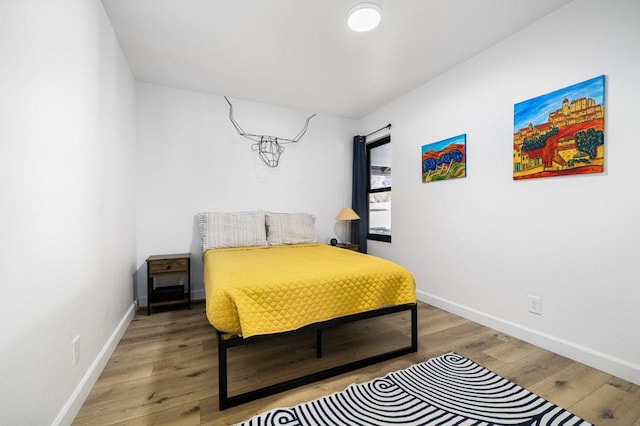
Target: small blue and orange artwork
446 159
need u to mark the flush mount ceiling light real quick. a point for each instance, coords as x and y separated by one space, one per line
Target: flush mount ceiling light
364 17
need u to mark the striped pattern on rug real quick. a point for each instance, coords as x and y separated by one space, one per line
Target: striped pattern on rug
446 390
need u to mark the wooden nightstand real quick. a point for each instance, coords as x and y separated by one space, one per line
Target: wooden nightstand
349 246
173 272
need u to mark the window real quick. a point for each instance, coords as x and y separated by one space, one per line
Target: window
379 189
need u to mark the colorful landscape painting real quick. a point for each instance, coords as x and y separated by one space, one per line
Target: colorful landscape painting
560 133
446 159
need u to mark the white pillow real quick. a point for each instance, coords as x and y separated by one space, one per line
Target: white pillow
222 230
290 228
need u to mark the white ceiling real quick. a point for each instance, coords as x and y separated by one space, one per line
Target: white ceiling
300 54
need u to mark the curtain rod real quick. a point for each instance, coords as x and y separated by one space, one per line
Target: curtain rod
388 126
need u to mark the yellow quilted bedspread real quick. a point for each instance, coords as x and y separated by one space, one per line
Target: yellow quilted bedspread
263 290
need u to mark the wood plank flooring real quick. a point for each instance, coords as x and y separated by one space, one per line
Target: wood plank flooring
164 370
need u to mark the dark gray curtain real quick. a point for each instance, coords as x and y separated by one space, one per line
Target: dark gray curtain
359 202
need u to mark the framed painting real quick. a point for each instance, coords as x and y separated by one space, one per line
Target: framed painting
445 159
560 133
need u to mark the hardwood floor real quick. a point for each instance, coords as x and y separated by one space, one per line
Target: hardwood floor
164 370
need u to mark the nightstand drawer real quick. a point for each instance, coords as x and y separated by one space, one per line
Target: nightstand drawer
168 265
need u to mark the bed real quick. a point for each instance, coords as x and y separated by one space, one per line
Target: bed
266 275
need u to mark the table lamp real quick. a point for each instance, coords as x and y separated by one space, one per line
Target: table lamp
347 214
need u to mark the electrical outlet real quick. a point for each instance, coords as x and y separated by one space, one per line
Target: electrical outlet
535 305
75 347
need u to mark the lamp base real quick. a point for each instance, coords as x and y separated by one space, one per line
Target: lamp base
348 232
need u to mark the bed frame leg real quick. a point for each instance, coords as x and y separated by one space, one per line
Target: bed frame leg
414 328
222 374
319 343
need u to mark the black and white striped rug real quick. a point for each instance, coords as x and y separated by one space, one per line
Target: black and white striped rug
447 390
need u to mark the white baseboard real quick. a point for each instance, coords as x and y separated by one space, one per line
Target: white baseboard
79 395
593 358
197 294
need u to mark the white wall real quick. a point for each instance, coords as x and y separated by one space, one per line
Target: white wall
67 238
479 245
191 159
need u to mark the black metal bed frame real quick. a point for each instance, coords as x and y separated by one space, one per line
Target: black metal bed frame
226 401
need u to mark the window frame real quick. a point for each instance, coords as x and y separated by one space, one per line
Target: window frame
369 146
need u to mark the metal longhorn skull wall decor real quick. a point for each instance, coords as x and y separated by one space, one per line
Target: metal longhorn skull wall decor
269 147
